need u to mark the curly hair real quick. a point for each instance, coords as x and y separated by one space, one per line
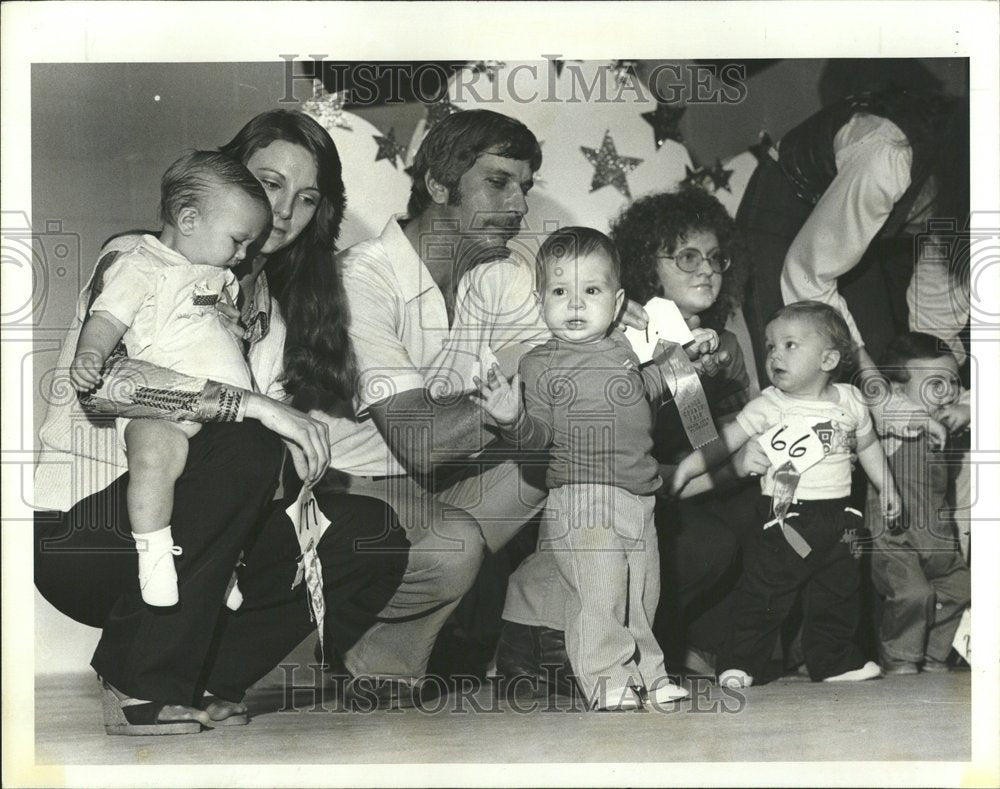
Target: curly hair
659 224
319 362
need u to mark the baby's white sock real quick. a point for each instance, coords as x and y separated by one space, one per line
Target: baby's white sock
157 574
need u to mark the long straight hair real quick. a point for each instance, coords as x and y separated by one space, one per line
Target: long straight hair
319 366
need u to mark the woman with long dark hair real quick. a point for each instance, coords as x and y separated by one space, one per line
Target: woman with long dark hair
172 671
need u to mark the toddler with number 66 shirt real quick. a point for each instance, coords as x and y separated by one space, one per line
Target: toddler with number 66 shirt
804 511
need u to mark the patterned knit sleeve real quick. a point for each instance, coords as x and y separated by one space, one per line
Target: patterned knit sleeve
133 388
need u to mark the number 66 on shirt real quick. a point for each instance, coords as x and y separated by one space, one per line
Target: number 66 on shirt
793 440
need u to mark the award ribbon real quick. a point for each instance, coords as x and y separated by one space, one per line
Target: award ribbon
309 523
682 379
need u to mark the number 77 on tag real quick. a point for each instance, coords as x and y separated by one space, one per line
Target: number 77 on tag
793 441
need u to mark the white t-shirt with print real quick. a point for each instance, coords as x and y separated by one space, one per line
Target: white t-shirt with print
838 426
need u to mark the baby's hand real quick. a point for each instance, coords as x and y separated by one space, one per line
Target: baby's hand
955 417
892 507
682 476
85 371
497 397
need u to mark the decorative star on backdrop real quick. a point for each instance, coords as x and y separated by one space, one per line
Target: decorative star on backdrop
327 108
720 176
389 149
491 67
623 69
763 146
695 177
664 120
440 110
610 169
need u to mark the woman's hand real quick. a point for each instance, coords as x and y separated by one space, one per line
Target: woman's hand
306 438
230 316
633 315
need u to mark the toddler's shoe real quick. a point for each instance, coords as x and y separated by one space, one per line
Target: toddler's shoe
934 666
620 700
666 692
735 678
157 574
898 668
869 670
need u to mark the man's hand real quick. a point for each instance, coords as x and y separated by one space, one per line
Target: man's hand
498 398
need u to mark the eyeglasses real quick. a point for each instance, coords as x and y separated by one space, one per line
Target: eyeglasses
688 260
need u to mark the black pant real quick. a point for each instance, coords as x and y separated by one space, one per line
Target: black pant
85 563
700 541
773 574
363 554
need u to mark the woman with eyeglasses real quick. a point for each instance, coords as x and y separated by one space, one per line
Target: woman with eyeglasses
683 246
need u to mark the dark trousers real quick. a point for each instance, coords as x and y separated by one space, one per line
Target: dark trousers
700 540
363 554
85 563
774 573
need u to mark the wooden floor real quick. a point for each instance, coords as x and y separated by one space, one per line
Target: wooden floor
921 718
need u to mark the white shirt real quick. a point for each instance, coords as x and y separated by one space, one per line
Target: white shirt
838 425
402 339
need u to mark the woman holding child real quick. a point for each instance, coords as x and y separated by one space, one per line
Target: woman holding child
155 664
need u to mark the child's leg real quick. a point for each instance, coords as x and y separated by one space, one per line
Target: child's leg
643 557
950 578
908 600
157 453
831 602
772 575
590 559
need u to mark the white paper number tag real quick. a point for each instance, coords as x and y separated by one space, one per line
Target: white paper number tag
793 441
665 323
309 524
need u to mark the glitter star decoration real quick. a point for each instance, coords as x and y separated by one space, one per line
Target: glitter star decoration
664 120
327 108
624 70
440 110
491 67
720 176
610 169
695 177
389 149
763 146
